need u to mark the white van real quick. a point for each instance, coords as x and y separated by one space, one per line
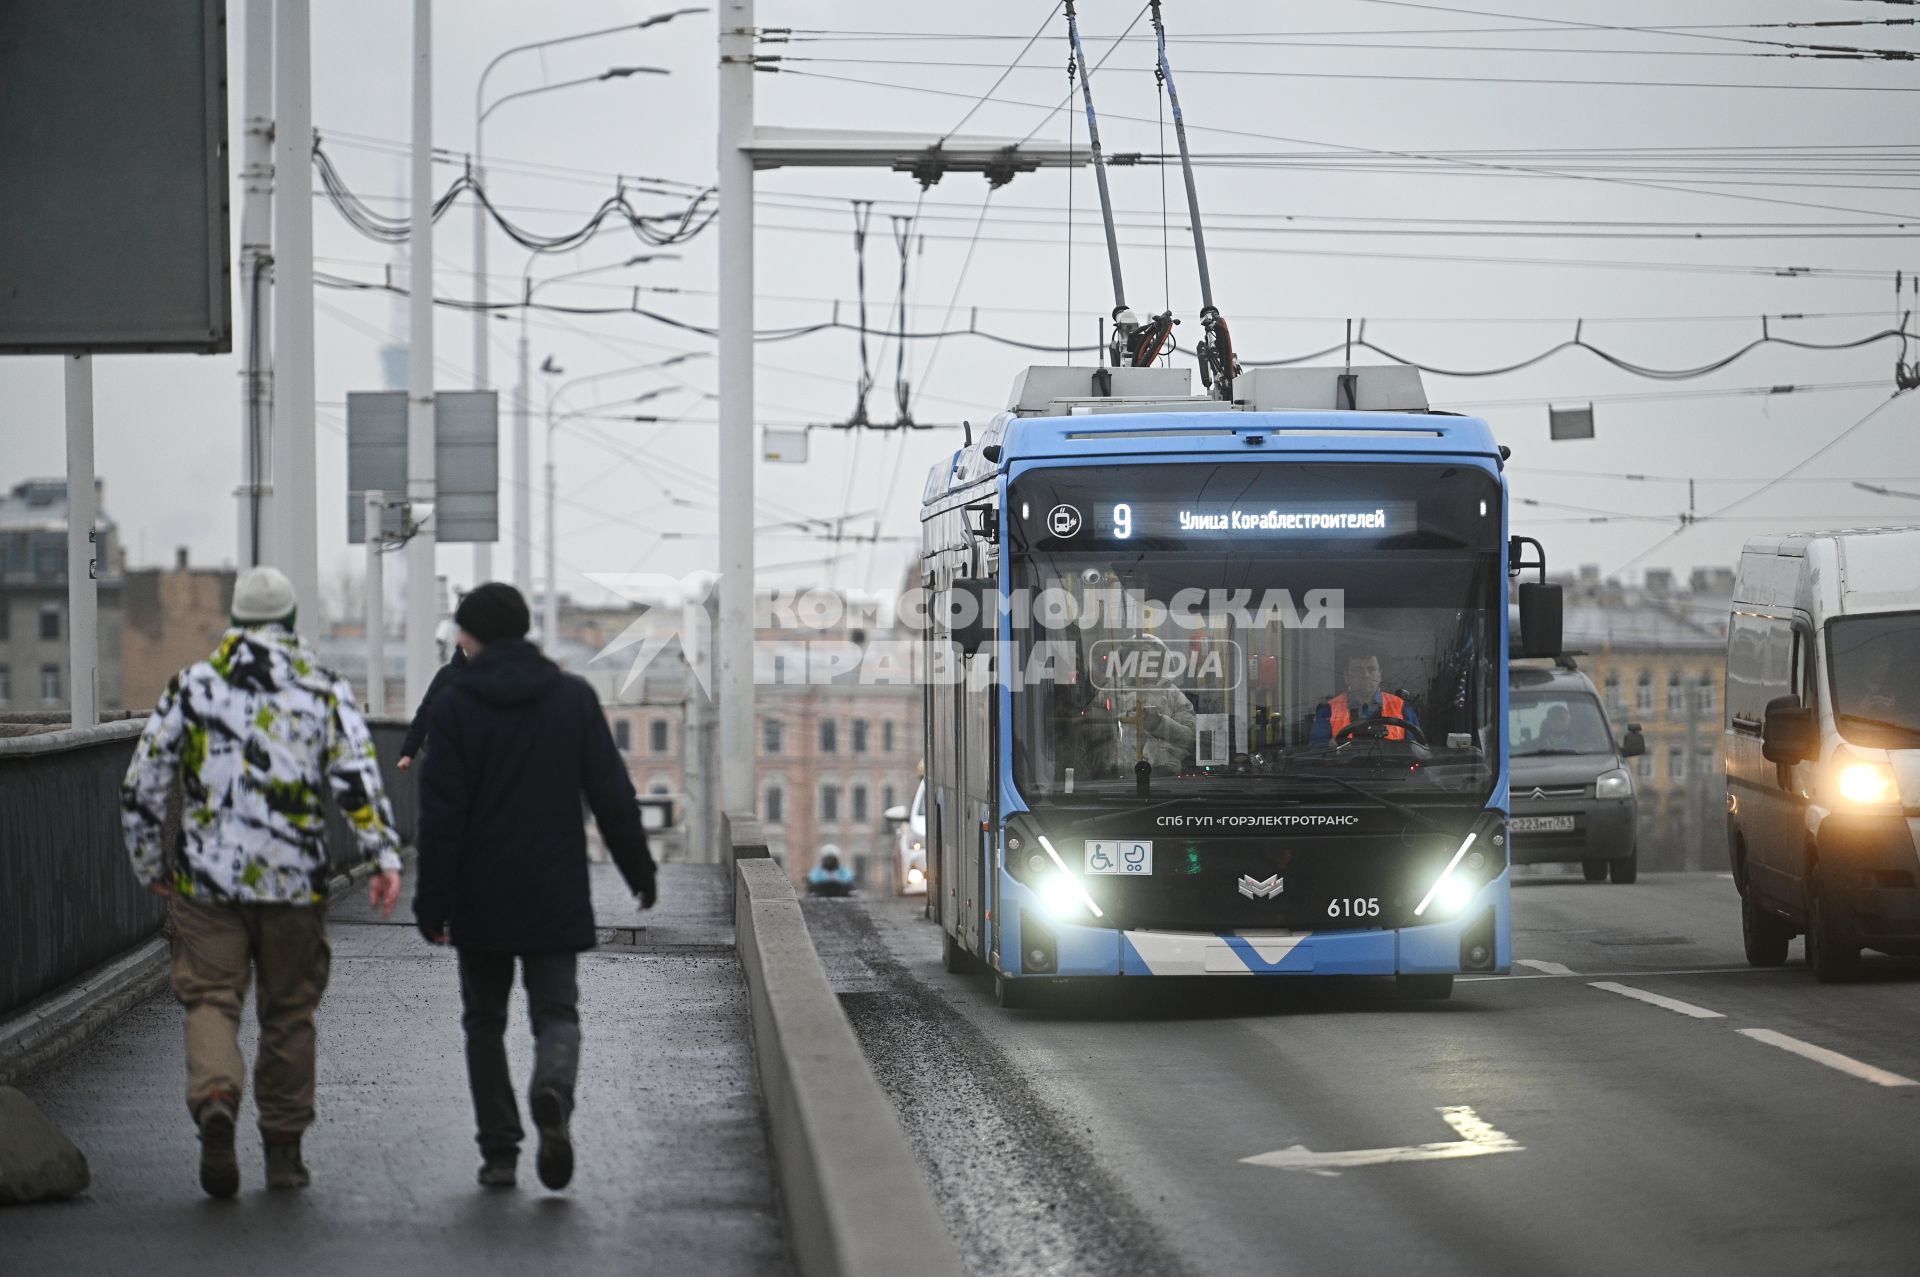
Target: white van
1823 745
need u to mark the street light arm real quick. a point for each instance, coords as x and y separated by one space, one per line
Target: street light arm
480 90
499 102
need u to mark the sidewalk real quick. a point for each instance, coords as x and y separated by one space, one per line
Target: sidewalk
674 1173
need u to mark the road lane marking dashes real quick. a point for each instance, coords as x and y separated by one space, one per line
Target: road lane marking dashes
1832 1059
1670 1004
1543 967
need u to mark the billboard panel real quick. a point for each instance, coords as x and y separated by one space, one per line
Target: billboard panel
113 164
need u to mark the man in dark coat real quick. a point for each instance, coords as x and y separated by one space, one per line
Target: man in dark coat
503 864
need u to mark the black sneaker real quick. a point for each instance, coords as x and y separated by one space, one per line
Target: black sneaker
555 1162
499 1170
284 1167
219 1168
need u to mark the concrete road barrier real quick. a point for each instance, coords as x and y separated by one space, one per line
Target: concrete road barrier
856 1202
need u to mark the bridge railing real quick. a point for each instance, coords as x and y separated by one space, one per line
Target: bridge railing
68 901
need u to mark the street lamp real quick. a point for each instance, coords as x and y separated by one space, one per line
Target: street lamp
522 399
550 611
481 379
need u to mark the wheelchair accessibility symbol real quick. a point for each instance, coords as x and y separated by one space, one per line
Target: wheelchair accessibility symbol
1101 862
1119 856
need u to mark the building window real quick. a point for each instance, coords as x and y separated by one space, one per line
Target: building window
1676 695
1703 762
622 735
1644 766
886 737
772 736
829 736
1615 701
6 685
1705 690
859 735
1643 694
50 684
1676 763
49 620
657 736
888 798
4 624
859 804
830 803
771 808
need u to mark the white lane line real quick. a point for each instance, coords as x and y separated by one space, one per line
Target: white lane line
1543 967
1832 1059
1742 970
1671 1004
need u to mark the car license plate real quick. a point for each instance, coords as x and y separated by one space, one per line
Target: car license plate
1541 824
1119 856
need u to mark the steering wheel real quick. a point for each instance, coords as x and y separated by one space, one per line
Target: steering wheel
1346 734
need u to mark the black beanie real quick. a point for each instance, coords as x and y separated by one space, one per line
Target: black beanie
492 612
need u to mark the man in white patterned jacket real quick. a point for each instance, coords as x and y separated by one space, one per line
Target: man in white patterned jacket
253 734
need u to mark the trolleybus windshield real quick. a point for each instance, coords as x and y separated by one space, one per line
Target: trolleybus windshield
1250 631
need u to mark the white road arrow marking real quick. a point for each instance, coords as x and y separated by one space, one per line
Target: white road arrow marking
1477 1139
1544 968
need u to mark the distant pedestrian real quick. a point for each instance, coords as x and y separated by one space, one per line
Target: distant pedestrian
417 731
254 733
503 864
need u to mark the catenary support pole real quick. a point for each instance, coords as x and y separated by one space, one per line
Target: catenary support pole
550 613
255 285
522 474
83 599
376 510
422 594
295 500
735 684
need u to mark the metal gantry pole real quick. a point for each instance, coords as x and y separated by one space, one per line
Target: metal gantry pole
255 282
735 684
422 591
297 545
376 509
83 598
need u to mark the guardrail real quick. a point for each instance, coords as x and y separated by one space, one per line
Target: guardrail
856 1202
68 903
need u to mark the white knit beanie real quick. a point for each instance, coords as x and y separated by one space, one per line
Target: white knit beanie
262 594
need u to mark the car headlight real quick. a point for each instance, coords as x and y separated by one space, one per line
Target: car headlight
1868 783
1617 783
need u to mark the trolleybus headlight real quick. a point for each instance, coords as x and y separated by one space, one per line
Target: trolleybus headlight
1450 891
1617 783
1061 895
916 876
1868 783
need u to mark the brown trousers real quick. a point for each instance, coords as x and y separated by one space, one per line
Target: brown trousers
215 948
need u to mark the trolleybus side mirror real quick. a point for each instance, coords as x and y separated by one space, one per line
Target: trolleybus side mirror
1789 735
1541 617
895 815
973 612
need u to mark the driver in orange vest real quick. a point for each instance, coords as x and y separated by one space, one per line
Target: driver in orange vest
1362 700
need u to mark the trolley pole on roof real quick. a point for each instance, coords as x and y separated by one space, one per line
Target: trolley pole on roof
1123 320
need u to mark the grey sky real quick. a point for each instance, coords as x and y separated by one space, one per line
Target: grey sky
168 426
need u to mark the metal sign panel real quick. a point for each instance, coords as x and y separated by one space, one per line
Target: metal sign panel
113 161
1570 423
466 461
783 445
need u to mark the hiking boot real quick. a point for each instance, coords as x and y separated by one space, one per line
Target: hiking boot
498 1170
555 1162
219 1168
284 1167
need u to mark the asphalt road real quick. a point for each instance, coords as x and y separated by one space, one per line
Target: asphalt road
1607 1133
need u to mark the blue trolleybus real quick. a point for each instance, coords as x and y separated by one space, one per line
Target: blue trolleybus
1219 688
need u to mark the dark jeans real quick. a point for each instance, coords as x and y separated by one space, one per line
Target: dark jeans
486 981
